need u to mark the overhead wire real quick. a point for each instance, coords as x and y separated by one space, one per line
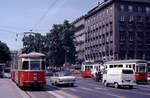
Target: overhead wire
45 14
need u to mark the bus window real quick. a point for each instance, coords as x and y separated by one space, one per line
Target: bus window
111 66
43 65
120 65
25 65
115 66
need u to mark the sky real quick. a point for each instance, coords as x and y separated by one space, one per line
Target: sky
19 16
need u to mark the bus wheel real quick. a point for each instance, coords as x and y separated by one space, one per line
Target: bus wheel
116 85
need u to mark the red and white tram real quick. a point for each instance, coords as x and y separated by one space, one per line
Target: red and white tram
139 66
89 68
29 70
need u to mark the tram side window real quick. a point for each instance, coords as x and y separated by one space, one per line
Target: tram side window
25 65
43 65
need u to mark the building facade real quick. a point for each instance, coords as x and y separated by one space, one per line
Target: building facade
79 24
117 30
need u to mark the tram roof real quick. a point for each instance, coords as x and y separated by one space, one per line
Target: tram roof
126 61
32 54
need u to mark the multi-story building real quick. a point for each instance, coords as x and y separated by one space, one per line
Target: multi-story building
79 38
118 29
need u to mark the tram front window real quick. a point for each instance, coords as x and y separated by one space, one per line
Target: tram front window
25 65
35 65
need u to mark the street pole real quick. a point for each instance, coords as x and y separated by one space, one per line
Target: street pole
66 58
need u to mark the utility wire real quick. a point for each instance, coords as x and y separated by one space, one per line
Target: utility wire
45 14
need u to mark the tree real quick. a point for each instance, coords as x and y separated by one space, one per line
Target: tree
60 44
33 42
4 53
55 54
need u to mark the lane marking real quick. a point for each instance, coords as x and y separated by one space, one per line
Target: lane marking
141 93
73 89
67 94
55 94
115 95
105 93
84 88
98 88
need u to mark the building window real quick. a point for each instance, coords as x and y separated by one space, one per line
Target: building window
147 10
131 36
130 19
121 18
130 8
122 8
122 37
147 19
139 19
139 9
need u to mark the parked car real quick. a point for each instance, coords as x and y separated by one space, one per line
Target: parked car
62 78
49 73
1 72
148 76
7 73
119 77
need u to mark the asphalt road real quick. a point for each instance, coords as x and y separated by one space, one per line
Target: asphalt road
84 88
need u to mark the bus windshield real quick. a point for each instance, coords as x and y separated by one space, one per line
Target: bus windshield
35 65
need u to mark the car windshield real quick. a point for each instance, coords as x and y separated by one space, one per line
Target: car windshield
127 71
64 74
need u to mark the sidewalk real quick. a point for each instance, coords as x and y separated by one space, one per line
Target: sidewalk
8 89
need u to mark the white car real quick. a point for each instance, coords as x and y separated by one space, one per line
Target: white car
62 78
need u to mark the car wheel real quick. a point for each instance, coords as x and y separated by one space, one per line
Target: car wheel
116 85
72 84
131 86
52 83
105 84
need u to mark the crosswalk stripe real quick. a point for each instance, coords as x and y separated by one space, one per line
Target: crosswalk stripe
55 94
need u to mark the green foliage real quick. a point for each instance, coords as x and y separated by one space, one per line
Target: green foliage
60 44
34 42
4 53
57 44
